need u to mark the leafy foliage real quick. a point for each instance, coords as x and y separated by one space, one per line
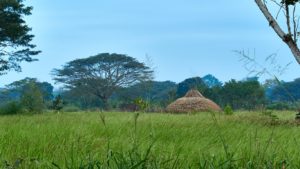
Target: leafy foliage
190 83
32 99
80 98
228 110
288 91
11 108
14 90
141 104
211 81
15 39
243 94
58 103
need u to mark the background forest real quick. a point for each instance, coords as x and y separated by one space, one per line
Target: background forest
151 96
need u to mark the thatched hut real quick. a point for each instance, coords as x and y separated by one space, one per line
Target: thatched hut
193 101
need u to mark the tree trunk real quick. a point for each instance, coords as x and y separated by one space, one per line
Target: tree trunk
287 38
105 103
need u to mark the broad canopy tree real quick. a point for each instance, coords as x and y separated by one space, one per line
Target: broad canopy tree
289 10
102 74
15 37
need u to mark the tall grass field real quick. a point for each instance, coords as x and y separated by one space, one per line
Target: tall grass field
150 140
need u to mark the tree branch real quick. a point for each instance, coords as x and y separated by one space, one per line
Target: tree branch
295 24
287 38
288 22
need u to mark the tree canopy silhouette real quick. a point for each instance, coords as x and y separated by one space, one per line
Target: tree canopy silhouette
102 74
15 37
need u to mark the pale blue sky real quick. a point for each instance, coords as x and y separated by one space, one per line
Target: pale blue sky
184 38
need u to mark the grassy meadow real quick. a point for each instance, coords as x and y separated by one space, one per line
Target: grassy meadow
152 140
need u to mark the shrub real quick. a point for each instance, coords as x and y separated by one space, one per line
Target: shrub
58 103
228 110
281 106
141 104
11 108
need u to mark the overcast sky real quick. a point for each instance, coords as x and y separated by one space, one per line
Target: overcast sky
184 38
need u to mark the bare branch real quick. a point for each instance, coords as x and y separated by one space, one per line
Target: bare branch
287 38
288 22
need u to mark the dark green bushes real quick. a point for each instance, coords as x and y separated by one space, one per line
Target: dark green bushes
11 108
228 110
282 106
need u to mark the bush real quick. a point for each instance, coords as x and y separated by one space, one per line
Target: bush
141 104
228 110
12 108
58 103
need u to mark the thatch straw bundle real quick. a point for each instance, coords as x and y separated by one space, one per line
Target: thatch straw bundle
193 101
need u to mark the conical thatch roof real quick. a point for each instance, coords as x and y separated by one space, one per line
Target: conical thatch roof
193 101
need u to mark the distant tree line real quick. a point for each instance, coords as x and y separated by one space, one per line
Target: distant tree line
27 95
30 95
120 82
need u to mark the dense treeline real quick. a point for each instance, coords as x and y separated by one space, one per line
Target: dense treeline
120 82
30 95
247 94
